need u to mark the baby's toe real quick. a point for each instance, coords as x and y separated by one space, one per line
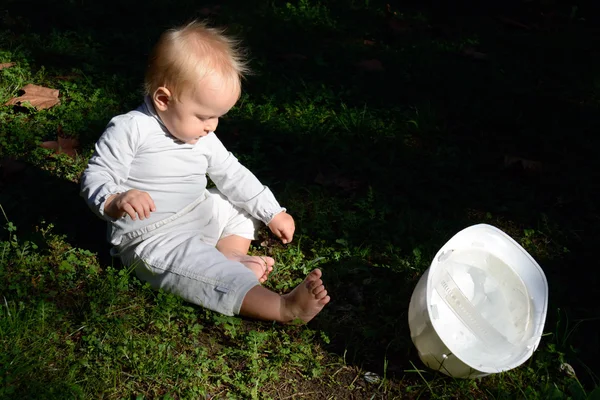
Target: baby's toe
269 261
313 284
321 295
315 274
318 289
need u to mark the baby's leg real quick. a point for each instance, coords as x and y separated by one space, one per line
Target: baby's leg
236 230
236 248
304 302
178 262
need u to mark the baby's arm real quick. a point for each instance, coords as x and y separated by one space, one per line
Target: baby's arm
108 169
244 190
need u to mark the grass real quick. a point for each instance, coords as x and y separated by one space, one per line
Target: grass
379 167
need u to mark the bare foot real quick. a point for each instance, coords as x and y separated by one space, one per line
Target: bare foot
307 299
261 266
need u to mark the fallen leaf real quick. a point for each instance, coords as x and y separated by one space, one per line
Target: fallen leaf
568 369
38 96
414 142
267 242
527 165
512 22
372 65
63 145
372 377
398 27
471 52
7 65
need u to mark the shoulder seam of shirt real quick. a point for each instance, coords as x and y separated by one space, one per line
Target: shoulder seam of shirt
130 120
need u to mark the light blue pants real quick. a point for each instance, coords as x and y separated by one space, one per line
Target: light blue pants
180 257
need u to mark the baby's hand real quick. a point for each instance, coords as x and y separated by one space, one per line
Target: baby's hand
132 202
282 225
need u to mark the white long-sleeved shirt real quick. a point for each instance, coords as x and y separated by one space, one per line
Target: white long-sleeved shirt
136 151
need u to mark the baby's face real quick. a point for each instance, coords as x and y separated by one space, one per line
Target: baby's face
197 112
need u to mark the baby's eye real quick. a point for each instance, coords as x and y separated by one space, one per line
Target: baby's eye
204 118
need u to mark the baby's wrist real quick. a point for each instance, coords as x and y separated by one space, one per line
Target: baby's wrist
273 216
109 208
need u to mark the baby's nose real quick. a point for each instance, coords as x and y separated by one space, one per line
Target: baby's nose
211 126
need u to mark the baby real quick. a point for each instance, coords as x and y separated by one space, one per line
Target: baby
147 178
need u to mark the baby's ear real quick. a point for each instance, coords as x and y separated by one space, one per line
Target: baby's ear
161 98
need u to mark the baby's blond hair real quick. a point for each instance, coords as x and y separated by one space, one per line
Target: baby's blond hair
185 55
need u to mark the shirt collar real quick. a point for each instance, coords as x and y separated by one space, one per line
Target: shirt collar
150 110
